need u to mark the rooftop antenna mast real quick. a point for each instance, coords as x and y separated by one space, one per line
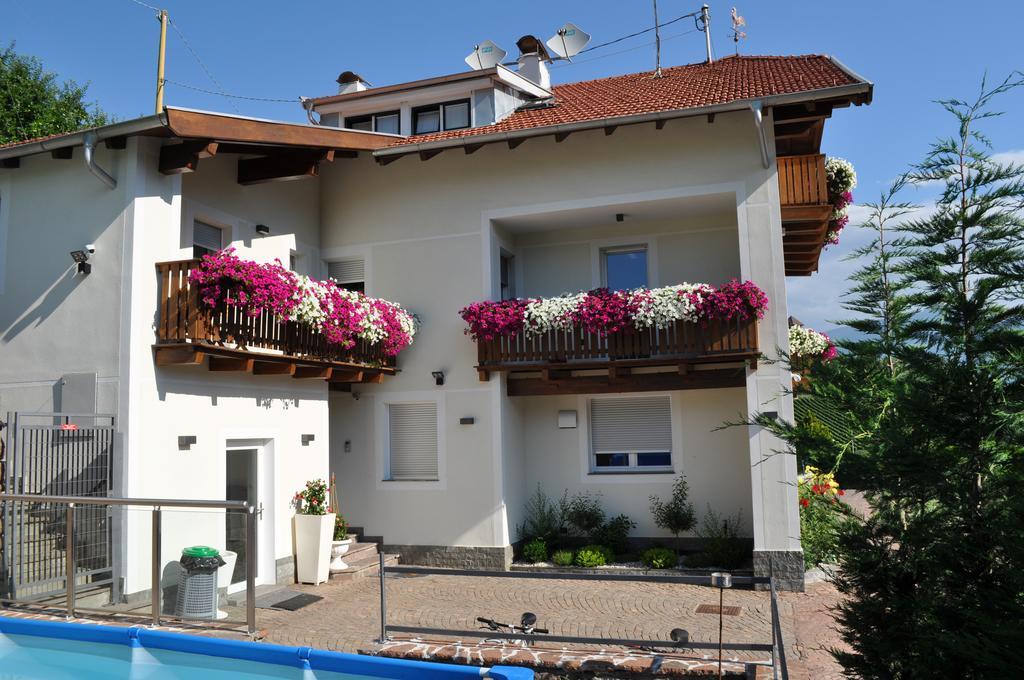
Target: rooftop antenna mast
657 43
705 25
738 22
160 59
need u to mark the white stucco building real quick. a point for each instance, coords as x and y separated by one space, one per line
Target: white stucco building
434 194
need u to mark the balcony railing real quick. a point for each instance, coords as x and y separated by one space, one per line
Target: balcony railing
681 343
803 198
182 319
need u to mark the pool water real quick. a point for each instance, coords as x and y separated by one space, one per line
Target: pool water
30 657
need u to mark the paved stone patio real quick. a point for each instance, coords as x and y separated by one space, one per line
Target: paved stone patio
347 619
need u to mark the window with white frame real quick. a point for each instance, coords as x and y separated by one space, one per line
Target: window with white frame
206 238
350 273
412 442
629 434
624 267
436 117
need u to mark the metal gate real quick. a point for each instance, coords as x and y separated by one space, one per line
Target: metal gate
55 454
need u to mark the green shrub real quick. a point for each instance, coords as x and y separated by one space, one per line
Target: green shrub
584 514
543 517
592 556
723 546
659 558
819 529
675 515
563 558
535 551
615 534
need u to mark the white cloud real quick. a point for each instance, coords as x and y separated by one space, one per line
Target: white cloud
1014 156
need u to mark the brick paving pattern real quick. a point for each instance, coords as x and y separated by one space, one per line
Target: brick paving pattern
347 619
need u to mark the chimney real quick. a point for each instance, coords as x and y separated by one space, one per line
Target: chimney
533 61
349 81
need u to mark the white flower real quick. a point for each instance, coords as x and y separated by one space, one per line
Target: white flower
806 342
547 314
661 307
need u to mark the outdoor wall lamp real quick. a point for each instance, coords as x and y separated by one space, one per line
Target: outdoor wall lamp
81 258
438 377
185 442
262 230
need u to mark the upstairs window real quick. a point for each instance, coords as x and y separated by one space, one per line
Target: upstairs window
437 117
350 274
631 434
206 239
624 268
386 122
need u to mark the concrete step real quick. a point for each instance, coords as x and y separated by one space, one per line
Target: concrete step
364 567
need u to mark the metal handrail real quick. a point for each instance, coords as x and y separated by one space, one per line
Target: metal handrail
149 502
156 506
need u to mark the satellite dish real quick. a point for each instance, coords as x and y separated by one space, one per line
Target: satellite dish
568 41
485 55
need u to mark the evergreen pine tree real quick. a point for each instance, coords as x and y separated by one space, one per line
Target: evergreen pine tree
935 577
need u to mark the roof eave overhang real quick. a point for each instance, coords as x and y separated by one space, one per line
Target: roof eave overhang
856 93
128 128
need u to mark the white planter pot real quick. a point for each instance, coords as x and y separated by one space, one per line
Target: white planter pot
313 547
338 550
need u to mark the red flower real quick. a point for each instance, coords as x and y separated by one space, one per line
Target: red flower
804 502
842 493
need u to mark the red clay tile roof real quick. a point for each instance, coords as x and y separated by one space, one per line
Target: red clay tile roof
680 87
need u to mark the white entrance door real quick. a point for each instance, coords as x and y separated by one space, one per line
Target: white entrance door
248 478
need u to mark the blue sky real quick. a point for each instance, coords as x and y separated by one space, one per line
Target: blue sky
914 52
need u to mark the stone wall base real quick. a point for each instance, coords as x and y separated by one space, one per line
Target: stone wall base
787 566
453 556
284 570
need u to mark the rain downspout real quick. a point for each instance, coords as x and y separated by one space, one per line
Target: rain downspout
89 144
757 108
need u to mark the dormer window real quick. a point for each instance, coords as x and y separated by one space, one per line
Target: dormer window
436 117
386 122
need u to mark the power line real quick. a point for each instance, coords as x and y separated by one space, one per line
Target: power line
142 4
633 35
231 96
195 55
628 49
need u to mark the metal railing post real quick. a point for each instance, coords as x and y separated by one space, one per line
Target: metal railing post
156 566
69 560
778 640
383 602
250 570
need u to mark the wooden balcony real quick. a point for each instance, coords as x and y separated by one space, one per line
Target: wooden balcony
803 194
188 331
577 362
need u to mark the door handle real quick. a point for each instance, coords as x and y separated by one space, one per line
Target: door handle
259 511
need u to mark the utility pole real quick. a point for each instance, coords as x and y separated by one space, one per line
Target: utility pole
705 18
657 43
160 57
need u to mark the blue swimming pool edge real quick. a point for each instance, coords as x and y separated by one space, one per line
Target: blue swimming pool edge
295 657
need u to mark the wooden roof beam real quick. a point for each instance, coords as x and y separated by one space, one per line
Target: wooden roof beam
176 159
281 167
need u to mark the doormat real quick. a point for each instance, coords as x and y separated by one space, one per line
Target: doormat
288 600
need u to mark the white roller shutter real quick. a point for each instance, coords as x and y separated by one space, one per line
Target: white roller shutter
207 236
620 425
347 271
413 441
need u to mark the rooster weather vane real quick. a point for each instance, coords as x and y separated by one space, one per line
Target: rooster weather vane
738 22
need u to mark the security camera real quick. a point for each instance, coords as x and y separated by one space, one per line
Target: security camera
91 247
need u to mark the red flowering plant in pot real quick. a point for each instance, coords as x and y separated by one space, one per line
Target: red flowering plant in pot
821 512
